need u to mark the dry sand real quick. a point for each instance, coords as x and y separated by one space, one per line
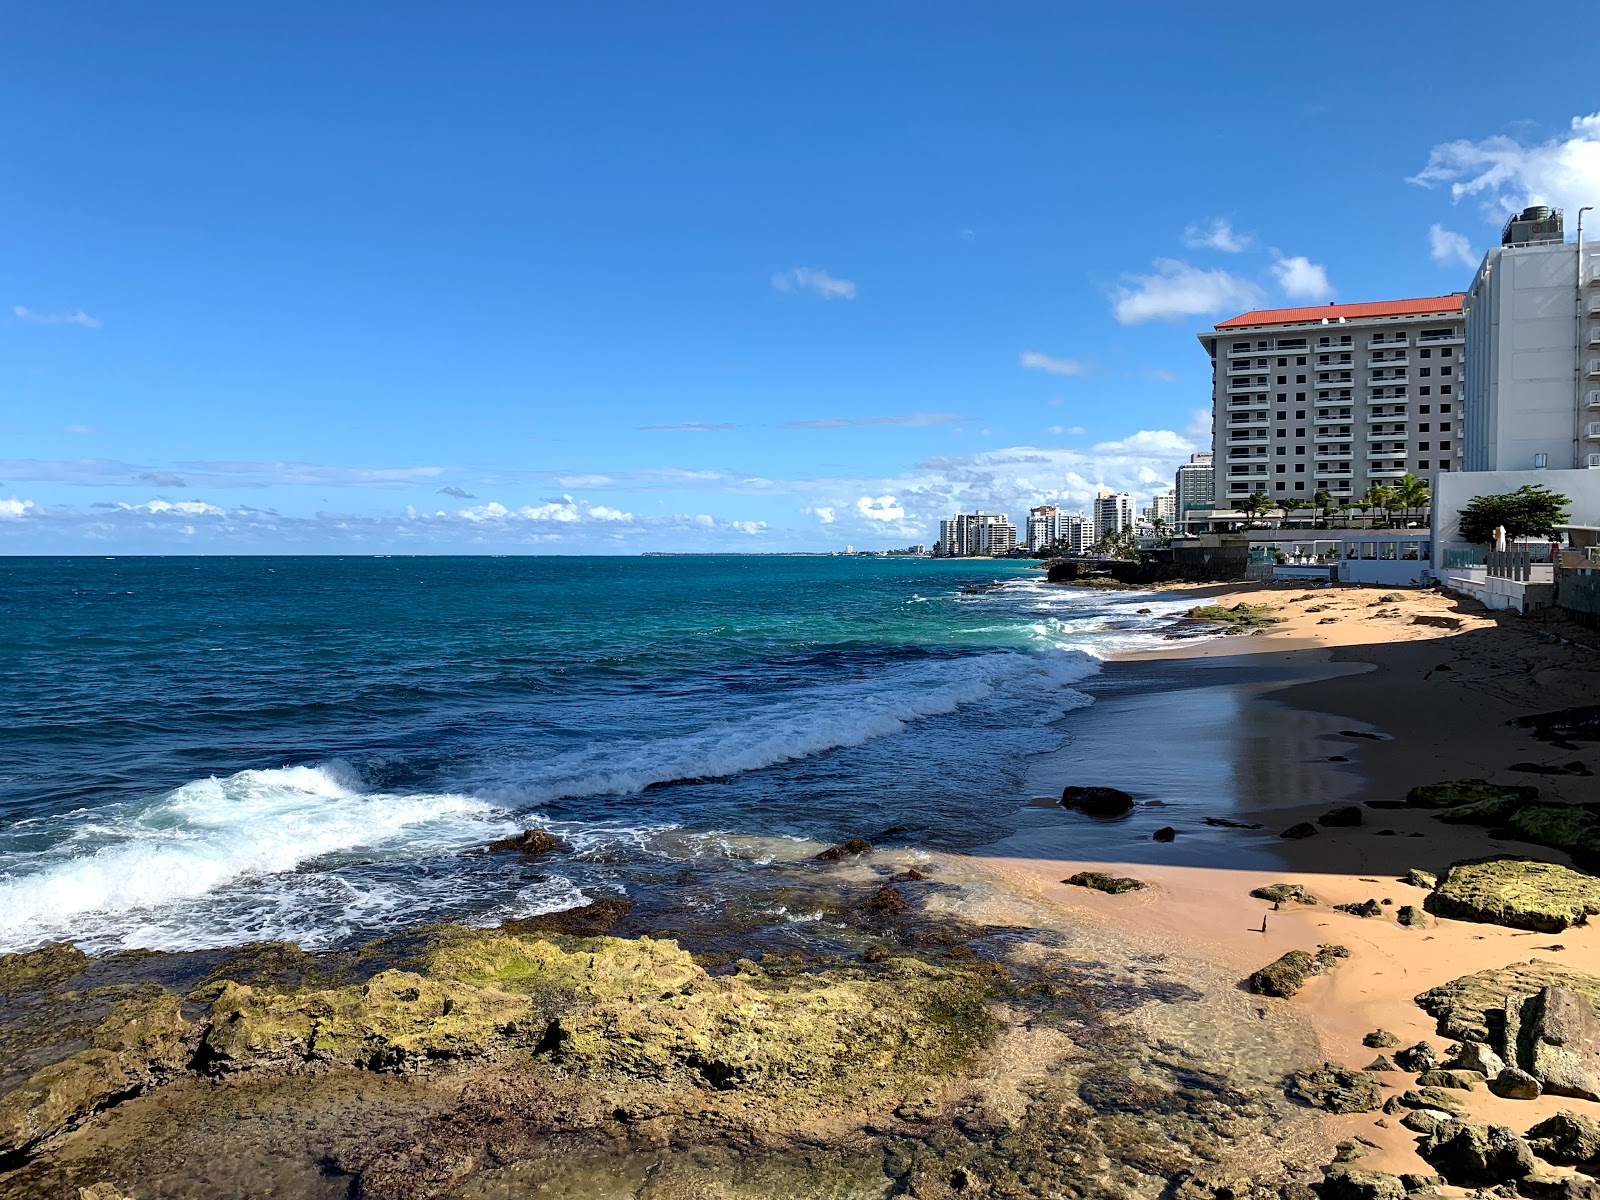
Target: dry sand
1441 699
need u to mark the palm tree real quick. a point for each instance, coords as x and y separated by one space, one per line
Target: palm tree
1412 493
1255 504
1293 504
1323 499
1378 497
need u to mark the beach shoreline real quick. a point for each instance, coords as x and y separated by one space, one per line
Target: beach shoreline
1404 704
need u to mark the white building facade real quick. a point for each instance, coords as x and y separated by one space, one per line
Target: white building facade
1113 513
1044 526
1532 354
977 535
1334 398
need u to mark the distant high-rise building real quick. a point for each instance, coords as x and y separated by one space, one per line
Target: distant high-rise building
1077 533
1113 513
1530 396
1334 397
978 534
1162 510
1044 526
1193 488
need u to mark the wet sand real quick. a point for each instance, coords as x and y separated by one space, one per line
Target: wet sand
1246 727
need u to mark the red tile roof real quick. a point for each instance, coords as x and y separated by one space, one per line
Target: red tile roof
1380 308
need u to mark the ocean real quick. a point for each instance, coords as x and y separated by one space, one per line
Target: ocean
201 752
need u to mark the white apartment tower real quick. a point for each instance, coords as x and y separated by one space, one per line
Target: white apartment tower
1044 526
1113 513
1193 488
1532 389
1336 397
979 534
1163 508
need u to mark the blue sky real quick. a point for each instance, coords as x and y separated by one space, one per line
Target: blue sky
616 277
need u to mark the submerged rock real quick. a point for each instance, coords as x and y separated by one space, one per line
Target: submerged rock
1095 801
1165 834
530 842
1285 976
1517 892
851 849
588 920
1337 1089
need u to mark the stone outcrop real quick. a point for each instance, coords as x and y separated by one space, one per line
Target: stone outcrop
1344 816
1554 1036
1513 1083
1420 878
1472 1008
1283 893
1476 1056
1285 975
1454 793
1096 801
1348 1183
1418 1058
1567 1139
1517 892
1296 832
854 848
1477 1155
530 843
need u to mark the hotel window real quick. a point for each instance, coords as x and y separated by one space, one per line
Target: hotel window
1411 551
1423 445
1300 414
1446 352
1423 465
1444 426
1299 468
1369 550
1352 550
1424 408
1300 487
1425 372
1444 391
1444 408
1426 353
1426 391
1444 445
1447 370
1283 362
1386 551
1300 397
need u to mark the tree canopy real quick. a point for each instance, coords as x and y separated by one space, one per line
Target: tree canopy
1533 510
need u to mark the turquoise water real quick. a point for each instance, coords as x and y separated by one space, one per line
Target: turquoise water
201 751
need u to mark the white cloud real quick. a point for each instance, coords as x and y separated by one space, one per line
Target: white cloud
1215 234
823 515
183 508
1178 290
1034 361
1159 375
1302 279
1449 249
689 427
77 317
1509 175
14 509
880 508
911 419
457 493
81 429
815 281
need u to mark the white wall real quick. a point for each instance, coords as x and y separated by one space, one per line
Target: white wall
1452 492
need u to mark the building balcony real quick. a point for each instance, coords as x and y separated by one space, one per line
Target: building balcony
1387 472
1436 339
1246 401
1245 386
1394 360
1591 276
1387 380
1343 474
1594 336
1387 342
1386 419
1244 366
1396 452
1594 305
1240 353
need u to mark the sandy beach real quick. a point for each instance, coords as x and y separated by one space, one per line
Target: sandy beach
1434 704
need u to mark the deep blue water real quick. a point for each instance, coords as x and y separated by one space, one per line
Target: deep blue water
200 751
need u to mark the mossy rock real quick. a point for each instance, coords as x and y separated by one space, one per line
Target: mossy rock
1452 793
1365 908
1101 882
1472 1008
1283 893
1574 828
530 843
1517 892
1337 1089
1495 810
1287 974
1238 618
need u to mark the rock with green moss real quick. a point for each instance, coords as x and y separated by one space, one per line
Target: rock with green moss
1419 878
1283 893
1472 1008
1453 793
1569 1139
1343 817
1337 1089
1101 882
1287 974
1517 892
1241 618
1365 908
1574 828
1411 915
1348 1183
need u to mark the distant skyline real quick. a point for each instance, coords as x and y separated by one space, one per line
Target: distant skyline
622 277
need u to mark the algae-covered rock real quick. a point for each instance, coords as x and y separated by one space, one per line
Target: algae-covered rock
1421 879
45 967
1574 828
1366 908
1283 893
1418 1058
1337 1089
1472 1008
1239 618
1517 892
1302 829
1454 792
1425 1120
1513 1083
1342 817
1348 1183
1429 1097
851 849
1411 915
1465 1081
1285 975
1476 1155
1381 1063
1380 1039
530 842
1101 882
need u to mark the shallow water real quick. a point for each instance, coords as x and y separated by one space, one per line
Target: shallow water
202 752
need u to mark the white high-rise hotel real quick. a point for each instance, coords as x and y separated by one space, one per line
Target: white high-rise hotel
1335 397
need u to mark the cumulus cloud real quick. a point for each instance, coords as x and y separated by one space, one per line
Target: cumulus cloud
1449 249
1508 175
1215 234
1034 361
77 317
13 509
182 508
815 281
457 493
880 508
689 427
1302 279
911 419
1178 290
